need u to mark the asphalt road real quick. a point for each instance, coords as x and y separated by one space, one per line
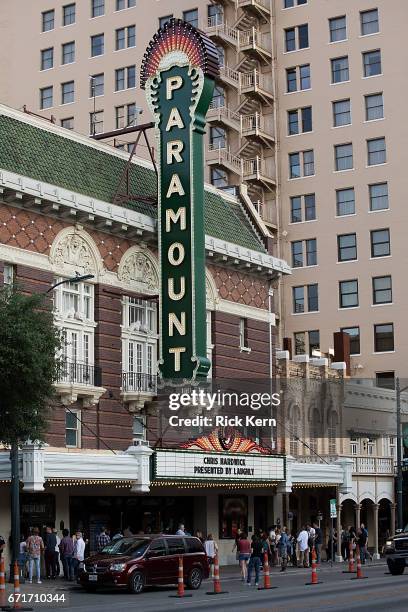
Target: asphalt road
336 592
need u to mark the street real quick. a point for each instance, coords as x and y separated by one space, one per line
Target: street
336 592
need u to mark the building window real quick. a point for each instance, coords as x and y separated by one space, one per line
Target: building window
314 341
376 152
8 274
380 243
125 38
47 58
341 113
96 122
46 97
97 85
291 3
125 116
302 161
378 196
139 340
68 123
297 254
345 202
343 156
97 8
68 14
122 4
217 138
125 78
374 107
369 22
303 208
299 247
298 78
372 63
313 297
243 334
219 178
346 247
354 334
298 299
191 17
164 20
354 446
68 53
48 19
382 290
338 28
97 45
297 38
218 97
300 120
72 428
67 92
311 252
348 293
384 337
294 165
340 69
300 343
386 380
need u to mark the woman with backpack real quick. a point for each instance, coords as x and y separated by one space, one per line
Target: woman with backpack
35 547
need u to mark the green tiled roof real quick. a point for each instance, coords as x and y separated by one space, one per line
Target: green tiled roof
38 153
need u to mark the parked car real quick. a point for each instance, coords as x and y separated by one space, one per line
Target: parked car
145 560
396 552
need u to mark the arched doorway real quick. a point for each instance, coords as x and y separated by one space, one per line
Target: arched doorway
385 527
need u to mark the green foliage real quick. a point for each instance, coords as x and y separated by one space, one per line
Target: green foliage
29 343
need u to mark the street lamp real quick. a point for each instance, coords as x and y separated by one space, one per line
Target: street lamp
399 455
14 458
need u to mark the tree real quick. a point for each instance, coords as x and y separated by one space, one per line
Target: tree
29 342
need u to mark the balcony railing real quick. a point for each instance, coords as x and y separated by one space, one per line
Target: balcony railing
216 26
139 382
263 3
256 79
373 465
78 373
256 40
256 123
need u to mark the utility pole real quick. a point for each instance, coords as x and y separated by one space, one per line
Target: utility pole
399 457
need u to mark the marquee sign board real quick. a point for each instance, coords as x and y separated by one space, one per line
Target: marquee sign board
178 73
197 465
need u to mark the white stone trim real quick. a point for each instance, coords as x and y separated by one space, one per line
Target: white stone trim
253 258
247 312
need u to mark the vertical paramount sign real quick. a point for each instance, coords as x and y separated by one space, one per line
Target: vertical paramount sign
178 73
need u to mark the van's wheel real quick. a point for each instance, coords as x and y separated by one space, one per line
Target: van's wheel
195 578
136 583
396 567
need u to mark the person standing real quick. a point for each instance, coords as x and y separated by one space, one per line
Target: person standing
363 543
255 559
303 545
102 540
78 554
283 546
180 531
35 546
318 540
244 552
211 550
57 568
66 551
49 553
22 557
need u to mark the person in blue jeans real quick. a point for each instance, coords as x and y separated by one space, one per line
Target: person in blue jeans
255 560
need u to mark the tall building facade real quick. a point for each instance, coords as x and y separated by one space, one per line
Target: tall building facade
305 122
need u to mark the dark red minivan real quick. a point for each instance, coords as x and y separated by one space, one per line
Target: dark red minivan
146 560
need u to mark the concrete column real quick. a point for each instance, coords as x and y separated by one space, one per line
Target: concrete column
393 511
357 508
375 520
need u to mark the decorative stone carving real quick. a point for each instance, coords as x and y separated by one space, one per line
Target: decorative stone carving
138 266
72 249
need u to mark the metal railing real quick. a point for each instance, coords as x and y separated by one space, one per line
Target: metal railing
225 157
79 373
215 25
139 382
258 166
256 123
264 3
230 75
373 465
255 79
255 39
223 112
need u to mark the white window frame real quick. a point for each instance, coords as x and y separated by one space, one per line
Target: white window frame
78 428
8 274
243 323
138 332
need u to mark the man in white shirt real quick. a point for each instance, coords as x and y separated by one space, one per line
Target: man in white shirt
79 552
180 531
303 547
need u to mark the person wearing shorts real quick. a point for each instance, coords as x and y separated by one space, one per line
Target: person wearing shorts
244 552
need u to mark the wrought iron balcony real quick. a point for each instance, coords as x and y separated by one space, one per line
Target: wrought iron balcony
77 380
79 373
137 389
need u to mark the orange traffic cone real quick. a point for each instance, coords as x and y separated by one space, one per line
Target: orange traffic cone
217 583
180 581
2 583
315 579
266 575
359 569
350 569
